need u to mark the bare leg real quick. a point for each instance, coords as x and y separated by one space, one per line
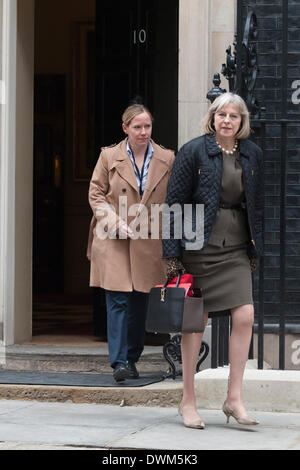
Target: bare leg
242 322
190 348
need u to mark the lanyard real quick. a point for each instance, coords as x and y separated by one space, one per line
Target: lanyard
140 174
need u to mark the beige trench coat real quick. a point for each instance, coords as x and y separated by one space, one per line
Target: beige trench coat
126 264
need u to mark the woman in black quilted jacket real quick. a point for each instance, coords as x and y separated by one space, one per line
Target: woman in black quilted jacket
223 171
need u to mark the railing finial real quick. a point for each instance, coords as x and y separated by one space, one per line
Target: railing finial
216 90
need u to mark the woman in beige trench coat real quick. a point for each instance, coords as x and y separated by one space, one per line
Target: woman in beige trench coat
127 189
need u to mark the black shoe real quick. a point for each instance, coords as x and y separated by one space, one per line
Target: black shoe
132 370
121 372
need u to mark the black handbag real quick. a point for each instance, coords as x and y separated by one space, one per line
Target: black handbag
170 311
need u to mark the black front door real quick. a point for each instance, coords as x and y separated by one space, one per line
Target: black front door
49 153
137 55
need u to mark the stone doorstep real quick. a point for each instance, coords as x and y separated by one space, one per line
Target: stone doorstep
263 390
77 364
74 359
161 395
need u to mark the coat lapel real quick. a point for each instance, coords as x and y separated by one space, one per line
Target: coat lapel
124 167
157 169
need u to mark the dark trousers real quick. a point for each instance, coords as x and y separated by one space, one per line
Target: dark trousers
126 316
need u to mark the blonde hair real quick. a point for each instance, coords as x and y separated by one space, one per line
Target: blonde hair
221 102
132 111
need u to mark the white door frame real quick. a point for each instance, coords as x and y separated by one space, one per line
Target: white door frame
7 168
16 171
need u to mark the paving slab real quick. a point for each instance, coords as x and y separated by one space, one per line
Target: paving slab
35 425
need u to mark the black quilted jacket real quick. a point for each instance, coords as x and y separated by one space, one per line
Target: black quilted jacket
196 179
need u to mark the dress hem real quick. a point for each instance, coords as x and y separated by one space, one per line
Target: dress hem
222 309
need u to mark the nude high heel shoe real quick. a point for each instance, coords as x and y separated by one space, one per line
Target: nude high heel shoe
196 424
246 420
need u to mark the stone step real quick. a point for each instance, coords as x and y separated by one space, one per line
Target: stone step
162 394
75 359
263 390
87 359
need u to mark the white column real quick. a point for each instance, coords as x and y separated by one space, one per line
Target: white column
206 29
7 169
16 170
222 21
24 171
1 102
1 80
194 50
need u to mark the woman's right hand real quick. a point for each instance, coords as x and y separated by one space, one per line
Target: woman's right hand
124 231
253 264
173 266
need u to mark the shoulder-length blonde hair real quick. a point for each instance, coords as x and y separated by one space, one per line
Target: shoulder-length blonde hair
221 102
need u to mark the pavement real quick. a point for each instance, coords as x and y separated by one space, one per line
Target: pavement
32 425
39 417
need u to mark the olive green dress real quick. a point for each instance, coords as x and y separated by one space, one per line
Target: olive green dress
222 268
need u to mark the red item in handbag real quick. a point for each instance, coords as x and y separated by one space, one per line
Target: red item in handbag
185 279
186 282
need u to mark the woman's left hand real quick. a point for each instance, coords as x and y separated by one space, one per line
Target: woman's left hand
173 266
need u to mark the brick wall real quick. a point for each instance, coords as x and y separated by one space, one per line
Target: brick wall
274 90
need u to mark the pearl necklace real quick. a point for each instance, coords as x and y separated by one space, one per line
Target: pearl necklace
228 152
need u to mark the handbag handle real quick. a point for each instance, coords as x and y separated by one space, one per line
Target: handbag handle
177 282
